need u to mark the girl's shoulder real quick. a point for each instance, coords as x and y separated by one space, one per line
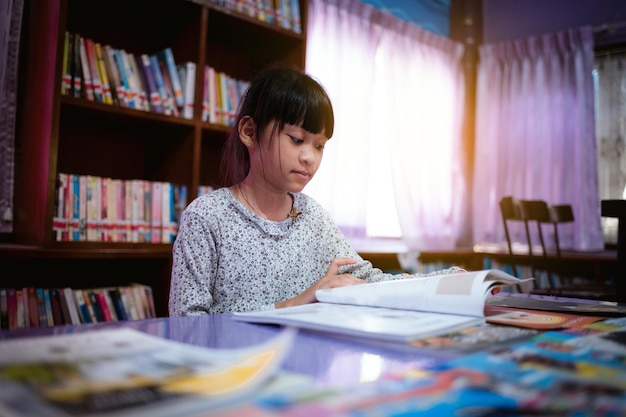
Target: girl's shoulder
214 201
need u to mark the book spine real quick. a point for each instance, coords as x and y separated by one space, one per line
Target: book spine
79 299
24 292
19 299
147 209
166 101
11 301
168 56
117 87
41 308
116 298
129 303
4 309
155 96
296 23
64 306
66 80
103 307
92 307
57 313
140 82
71 305
58 223
93 70
189 92
33 307
107 97
168 86
128 93
77 72
132 83
48 307
156 225
106 293
205 94
82 207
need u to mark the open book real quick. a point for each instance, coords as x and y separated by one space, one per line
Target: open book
400 310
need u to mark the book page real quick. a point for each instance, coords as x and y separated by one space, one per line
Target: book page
459 293
363 321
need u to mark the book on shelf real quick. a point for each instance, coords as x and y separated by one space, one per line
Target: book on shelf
138 76
66 80
57 313
118 87
167 56
123 372
188 69
400 310
169 87
11 308
76 67
167 101
93 70
33 307
152 90
107 96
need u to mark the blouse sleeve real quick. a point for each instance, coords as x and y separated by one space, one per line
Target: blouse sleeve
193 268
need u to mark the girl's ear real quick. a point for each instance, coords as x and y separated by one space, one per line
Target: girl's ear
247 131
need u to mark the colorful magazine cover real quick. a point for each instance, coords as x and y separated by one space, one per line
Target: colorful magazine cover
125 372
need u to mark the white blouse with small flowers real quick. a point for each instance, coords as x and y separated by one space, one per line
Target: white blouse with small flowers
227 258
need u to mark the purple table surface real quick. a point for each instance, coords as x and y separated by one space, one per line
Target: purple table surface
329 360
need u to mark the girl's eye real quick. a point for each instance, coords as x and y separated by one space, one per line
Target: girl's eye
296 140
319 147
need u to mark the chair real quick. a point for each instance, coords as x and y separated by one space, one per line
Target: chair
542 213
528 211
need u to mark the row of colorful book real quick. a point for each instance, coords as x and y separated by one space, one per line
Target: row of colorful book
221 96
149 82
30 307
145 82
102 209
283 13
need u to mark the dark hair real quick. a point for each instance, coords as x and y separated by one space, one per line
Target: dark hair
278 93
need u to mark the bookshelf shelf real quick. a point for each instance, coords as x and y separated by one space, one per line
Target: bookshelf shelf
58 133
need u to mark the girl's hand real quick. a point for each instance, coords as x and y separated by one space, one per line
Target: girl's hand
332 279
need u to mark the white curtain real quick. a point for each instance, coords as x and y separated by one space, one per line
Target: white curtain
535 133
610 82
393 167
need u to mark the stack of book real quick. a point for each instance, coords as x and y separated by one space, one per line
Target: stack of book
30 307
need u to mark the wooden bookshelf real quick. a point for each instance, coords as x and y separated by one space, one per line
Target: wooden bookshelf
58 133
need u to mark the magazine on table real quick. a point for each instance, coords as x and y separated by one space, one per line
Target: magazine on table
124 372
400 310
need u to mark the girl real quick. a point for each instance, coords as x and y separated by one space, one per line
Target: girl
259 243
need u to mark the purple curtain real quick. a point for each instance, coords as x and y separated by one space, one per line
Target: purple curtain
535 133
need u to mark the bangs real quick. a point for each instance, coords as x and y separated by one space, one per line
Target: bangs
297 101
312 111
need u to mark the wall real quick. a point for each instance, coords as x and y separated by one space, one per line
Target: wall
431 15
506 20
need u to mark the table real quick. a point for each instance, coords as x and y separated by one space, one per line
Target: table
327 360
331 361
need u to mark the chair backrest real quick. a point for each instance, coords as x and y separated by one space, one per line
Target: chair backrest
538 211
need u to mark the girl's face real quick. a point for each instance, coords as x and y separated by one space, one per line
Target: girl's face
290 160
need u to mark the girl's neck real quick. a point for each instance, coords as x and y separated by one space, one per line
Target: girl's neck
267 204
